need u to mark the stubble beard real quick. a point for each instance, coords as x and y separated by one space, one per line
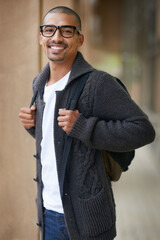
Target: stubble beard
55 59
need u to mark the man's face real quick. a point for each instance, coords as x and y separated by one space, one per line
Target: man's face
57 48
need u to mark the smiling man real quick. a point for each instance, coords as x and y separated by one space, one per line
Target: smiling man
106 118
60 37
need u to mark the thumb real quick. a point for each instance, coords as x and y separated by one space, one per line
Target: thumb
33 107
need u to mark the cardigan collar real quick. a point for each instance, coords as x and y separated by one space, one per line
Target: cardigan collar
80 67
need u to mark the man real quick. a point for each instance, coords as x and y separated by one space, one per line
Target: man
106 118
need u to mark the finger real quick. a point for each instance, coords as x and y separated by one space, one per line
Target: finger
62 124
62 111
33 107
26 116
25 121
62 118
25 110
28 123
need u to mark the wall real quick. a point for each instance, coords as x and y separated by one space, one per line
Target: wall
19 63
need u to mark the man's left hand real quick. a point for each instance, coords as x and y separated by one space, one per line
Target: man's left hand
67 118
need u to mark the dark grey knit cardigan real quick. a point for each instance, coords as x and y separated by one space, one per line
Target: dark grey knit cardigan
109 119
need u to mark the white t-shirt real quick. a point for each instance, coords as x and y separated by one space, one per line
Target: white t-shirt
51 192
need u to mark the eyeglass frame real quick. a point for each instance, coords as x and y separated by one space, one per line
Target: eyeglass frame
59 27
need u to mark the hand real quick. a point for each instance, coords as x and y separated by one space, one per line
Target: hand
28 116
67 118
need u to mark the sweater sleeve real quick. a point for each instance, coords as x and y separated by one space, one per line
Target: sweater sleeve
31 131
117 123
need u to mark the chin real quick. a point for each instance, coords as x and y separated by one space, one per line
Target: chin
54 59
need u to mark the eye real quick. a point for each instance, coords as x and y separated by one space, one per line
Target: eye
49 29
67 30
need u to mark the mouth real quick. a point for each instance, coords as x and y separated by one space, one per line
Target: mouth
56 48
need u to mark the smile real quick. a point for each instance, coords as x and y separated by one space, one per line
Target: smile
57 48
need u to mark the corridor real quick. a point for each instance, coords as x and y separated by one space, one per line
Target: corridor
137 197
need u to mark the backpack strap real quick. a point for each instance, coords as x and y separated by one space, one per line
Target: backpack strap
33 98
75 93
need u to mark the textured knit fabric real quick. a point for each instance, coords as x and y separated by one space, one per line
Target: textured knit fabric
109 119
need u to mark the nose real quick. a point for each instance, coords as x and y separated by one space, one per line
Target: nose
57 35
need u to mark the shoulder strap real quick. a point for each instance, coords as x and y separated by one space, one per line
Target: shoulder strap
75 93
34 98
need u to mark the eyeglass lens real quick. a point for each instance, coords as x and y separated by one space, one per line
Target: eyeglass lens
65 31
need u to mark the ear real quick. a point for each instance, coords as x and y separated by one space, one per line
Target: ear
80 40
40 39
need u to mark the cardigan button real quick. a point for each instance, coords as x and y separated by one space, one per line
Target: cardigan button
35 155
38 224
35 179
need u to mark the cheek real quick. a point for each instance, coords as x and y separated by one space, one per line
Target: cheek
44 46
74 44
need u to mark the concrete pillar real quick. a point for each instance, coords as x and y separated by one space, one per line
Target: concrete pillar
19 63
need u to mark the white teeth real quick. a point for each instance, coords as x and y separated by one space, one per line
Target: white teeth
54 47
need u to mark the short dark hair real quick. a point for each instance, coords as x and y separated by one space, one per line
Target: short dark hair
66 10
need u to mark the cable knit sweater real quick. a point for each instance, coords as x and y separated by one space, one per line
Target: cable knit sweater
109 119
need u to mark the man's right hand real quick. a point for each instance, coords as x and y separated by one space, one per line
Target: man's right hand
28 116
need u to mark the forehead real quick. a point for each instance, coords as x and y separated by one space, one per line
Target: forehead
59 19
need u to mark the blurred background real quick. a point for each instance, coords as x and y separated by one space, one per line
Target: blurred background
122 37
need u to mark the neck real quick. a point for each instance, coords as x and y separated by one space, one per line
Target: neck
58 71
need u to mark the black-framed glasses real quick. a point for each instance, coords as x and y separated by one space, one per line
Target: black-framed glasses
66 31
